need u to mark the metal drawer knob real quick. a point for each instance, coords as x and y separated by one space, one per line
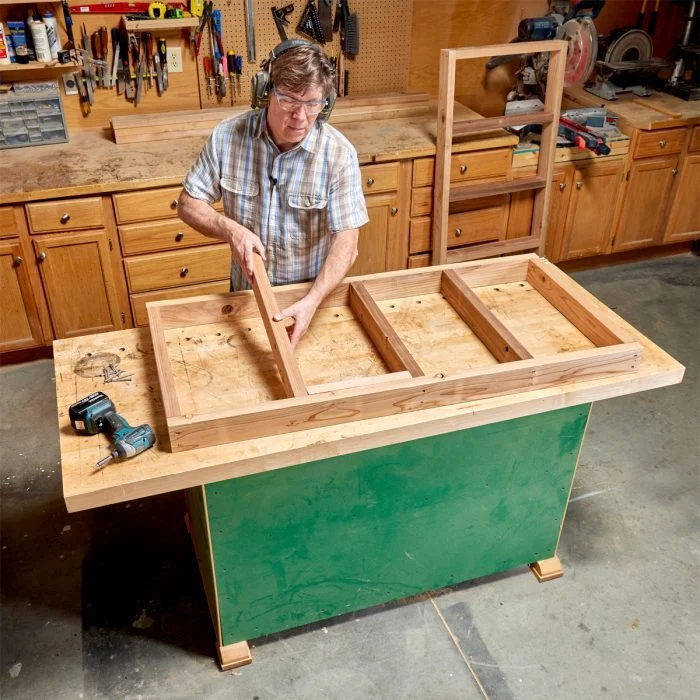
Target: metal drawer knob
579 185
663 143
562 186
184 271
458 232
463 169
394 211
370 181
675 171
42 256
179 236
173 204
17 261
65 218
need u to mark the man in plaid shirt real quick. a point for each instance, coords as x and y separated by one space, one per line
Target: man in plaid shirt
290 184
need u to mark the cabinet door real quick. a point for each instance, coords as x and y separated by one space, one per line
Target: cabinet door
591 209
19 317
382 210
684 220
77 276
521 206
644 207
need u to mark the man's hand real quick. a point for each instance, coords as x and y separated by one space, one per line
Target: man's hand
302 312
244 243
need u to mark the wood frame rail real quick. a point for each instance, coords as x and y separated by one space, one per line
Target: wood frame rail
405 387
448 129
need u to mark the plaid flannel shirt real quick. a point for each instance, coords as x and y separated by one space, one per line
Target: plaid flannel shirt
294 201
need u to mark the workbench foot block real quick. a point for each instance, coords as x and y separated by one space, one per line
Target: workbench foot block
547 569
234 655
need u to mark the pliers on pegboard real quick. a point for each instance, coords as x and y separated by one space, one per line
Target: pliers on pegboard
203 22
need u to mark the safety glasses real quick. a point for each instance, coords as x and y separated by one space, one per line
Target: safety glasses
291 104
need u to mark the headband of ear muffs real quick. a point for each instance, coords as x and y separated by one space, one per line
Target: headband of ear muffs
261 84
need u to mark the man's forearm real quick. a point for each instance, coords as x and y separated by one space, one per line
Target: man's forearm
204 218
340 258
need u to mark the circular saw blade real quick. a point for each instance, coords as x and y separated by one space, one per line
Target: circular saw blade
582 39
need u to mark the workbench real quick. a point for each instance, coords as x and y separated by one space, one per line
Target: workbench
323 521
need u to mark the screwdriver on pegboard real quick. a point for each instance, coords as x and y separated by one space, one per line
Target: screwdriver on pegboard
231 67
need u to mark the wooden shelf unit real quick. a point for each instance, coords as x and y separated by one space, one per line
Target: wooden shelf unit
448 129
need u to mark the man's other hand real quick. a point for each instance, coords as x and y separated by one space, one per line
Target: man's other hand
302 312
244 243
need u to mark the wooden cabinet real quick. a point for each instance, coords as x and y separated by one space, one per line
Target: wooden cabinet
684 218
20 327
591 209
76 272
383 210
647 188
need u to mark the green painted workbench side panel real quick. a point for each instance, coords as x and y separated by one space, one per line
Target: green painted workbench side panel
300 544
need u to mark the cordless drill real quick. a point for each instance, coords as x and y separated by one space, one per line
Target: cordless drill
97 414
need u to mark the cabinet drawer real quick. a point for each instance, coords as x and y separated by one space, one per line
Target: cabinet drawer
152 236
659 143
139 301
178 268
474 165
380 178
421 201
8 221
65 215
149 204
695 140
475 226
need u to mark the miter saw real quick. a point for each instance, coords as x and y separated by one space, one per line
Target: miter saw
570 21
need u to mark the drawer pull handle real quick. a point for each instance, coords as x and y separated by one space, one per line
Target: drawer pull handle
17 261
370 181
179 236
184 271
42 256
663 143
65 218
173 204
463 169
579 185
562 186
675 171
394 211
458 232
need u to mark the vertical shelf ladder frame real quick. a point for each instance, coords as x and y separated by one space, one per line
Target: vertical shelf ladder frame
447 129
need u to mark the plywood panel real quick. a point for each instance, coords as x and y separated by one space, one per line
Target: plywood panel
229 365
532 319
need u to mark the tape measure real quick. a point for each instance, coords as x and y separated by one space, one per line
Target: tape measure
157 10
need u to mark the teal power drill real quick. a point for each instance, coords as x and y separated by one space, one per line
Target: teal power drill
97 414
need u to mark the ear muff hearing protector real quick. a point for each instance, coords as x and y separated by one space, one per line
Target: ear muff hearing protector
261 84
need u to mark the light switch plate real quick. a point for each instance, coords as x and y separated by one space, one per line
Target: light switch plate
174 55
69 84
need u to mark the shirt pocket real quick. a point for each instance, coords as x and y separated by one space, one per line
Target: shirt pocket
242 202
310 212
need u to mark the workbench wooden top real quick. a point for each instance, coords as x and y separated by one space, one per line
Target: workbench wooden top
208 358
658 111
91 163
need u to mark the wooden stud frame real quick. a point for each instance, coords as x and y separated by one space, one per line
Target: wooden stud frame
405 387
447 129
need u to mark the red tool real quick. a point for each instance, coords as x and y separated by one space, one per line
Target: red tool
582 137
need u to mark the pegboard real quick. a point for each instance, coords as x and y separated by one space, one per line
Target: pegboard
382 64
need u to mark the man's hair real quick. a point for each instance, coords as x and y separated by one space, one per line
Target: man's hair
303 67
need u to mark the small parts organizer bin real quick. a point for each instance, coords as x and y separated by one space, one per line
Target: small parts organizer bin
31 114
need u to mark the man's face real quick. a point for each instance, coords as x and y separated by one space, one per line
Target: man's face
288 129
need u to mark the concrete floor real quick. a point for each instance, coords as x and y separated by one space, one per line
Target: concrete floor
109 604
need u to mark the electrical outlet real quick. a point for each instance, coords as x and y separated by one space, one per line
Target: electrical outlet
174 59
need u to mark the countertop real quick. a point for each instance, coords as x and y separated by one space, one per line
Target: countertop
91 163
658 111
